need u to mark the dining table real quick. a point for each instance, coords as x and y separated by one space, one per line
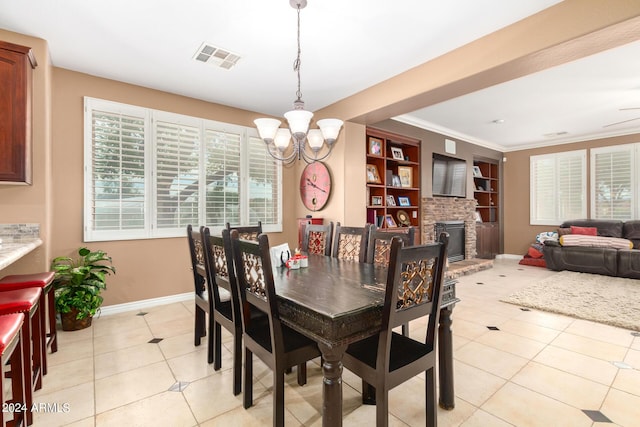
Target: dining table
337 302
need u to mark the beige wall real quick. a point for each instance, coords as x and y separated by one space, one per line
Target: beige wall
145 268
518 233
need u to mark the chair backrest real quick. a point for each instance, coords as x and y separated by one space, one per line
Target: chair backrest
414 290
317 239
379 243
196 252
220 269
256 286
248 232
350 243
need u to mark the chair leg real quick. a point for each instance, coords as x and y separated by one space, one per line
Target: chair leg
247 397
278 398
217 345
382 408
237 362
431 396
368 394
211 341
405 329
53 329
302 374
38 351
200 326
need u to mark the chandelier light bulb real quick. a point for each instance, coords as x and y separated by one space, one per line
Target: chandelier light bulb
299 122
282 139
267 128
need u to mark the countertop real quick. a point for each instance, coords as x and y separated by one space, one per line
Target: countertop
10 252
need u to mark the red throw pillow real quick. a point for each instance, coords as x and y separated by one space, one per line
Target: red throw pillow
534 253
587 231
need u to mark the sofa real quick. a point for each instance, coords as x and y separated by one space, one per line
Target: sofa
612 249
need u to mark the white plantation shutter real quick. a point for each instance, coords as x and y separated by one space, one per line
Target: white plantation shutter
176 181
115 196
150 173
614 182
264 191
223 190
558 187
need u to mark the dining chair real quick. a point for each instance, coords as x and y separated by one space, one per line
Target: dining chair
225 312
379 249
317 239
202 294
250 232
379 244
388 359
276 345
350 243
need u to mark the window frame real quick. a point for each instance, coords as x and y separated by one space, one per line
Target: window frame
533 196
150 230
633 150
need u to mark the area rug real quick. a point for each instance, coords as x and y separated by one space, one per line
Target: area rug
610 300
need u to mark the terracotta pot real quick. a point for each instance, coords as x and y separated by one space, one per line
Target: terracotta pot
70 323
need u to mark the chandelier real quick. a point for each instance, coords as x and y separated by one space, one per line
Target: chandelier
278 139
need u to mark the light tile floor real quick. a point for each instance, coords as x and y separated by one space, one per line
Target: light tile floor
538 369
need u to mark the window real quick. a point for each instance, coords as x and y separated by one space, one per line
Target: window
614 182
558 187
150 173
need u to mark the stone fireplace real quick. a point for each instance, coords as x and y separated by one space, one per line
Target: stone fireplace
447 210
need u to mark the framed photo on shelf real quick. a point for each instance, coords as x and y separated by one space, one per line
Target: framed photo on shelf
395 181
477 173
376 200
391 201
372 174
375 146
406 176
404 201
478 217
396 153
389 221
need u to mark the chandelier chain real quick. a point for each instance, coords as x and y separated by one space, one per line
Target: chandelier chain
296 63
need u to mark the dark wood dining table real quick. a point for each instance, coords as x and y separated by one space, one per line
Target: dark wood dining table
336 303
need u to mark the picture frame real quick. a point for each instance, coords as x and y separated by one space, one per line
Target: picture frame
395 181
477 173
372 174
406 176
389 221
404 201
478 216
375 146
376 200
391 201
396 153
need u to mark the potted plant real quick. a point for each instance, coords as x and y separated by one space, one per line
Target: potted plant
78 283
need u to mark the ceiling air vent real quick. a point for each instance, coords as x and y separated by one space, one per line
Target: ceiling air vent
210 54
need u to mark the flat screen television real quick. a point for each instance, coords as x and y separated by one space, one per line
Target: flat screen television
449 176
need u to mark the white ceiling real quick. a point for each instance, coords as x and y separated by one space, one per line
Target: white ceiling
347 46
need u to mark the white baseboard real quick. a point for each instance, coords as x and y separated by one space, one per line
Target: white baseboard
508 256
146 303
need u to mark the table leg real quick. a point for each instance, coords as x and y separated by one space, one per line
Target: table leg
332 385
445 355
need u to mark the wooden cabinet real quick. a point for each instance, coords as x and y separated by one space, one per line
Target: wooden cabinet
393 180
302 223
486 180
16 65
487 240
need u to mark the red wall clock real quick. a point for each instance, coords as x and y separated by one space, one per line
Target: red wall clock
315 186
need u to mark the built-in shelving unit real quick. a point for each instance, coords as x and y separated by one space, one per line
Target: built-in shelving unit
486 192
393 180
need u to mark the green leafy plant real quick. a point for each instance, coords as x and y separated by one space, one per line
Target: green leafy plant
79 281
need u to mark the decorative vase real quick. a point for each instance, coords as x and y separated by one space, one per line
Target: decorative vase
70 323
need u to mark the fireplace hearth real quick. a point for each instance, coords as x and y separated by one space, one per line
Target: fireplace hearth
447 210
